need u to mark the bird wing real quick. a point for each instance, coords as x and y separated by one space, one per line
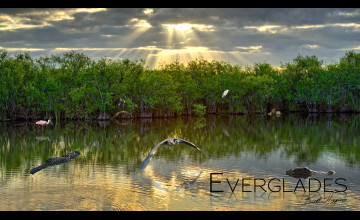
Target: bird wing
146 161
179 140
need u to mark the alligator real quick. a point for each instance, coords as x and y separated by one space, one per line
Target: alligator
56 161
305 172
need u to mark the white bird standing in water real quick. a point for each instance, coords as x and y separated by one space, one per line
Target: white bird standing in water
170 141
225 93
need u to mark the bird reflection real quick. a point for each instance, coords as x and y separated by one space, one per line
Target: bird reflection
188 185
42 138
170 141
185 185
56 161
226 132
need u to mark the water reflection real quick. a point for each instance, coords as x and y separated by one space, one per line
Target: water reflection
105 177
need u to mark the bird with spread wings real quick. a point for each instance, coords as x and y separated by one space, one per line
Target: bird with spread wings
170 141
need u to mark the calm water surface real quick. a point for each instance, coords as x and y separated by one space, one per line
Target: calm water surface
254 150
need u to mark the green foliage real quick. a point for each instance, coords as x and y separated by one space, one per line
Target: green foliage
199 109
72 85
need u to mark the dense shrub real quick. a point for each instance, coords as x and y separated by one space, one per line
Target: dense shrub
72 86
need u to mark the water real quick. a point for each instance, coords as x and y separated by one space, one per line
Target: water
252 150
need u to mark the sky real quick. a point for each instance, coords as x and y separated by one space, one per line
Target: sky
239 36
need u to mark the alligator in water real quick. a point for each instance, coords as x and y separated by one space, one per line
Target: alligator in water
56 161
305 172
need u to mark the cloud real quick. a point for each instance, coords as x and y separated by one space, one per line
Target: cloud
311 46
40 18
26 49
273 29
148 11
139 23
248 48
189 27
227 33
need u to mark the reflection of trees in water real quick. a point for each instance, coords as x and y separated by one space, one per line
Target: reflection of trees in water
301 137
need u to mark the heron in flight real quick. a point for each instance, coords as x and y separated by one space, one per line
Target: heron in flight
170 141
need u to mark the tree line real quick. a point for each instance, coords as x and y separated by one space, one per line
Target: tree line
71 85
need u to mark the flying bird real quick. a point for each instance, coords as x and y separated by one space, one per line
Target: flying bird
225 93
170 141
43 123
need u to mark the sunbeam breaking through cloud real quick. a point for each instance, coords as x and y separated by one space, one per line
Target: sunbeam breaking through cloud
239 36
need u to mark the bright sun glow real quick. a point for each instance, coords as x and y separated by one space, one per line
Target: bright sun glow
181 43
148 11
179 27
188 27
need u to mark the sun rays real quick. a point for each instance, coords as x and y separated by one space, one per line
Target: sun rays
157 44
174 42
137 38
182 44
